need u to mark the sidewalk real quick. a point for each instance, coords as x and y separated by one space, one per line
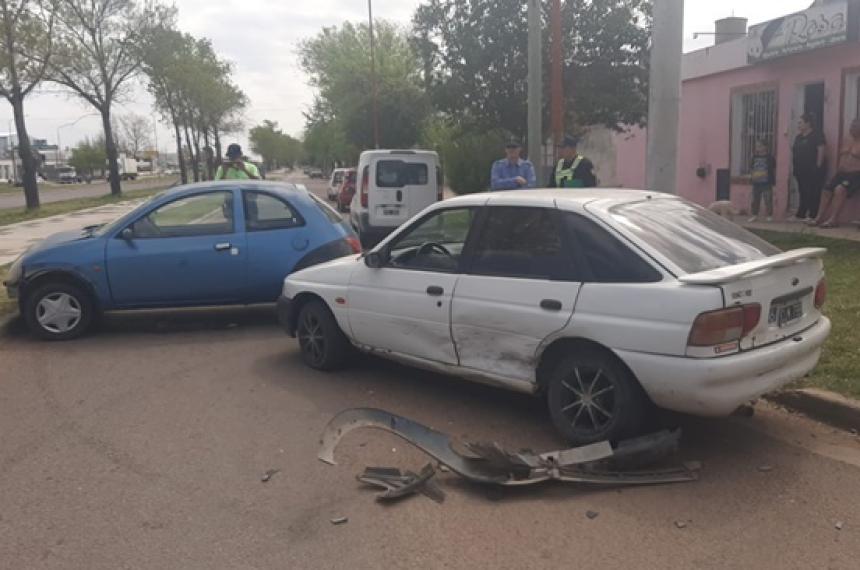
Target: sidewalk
16 238
847 232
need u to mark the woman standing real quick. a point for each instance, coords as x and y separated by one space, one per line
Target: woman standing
809 154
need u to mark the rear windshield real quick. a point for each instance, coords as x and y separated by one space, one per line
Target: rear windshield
329 212
337 178
689 236
397 174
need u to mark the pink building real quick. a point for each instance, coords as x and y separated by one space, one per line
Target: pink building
757 87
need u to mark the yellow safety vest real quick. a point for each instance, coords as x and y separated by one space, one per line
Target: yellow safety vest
564 177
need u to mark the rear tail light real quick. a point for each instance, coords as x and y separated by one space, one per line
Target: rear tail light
365 182
821 293
354 244
724 327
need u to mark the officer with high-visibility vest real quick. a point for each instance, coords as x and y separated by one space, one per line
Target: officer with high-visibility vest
573 170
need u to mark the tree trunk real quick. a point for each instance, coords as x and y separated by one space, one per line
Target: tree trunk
195 137
195 164
111 152
218 155
28 164
210 163
183 171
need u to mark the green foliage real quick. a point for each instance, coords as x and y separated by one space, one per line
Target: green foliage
89 156
474 60
277 148
338 62
467 154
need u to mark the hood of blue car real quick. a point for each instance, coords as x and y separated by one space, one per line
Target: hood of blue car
61 238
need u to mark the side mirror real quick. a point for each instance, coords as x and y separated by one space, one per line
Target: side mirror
374 260
127 234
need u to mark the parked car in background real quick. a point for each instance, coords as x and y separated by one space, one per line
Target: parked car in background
213 243
605 301
347 190
316 173
394 185
334 183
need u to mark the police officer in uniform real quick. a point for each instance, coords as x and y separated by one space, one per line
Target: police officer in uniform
573 170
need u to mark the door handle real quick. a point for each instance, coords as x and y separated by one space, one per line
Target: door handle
222 246
551 305
400 195
435 291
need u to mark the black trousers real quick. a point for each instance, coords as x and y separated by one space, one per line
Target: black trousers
809 186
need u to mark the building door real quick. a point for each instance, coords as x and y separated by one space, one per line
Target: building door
813 101
809 99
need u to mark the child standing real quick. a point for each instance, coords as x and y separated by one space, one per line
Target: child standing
763 177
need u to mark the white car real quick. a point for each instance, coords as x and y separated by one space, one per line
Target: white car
334 183
606 301
393 186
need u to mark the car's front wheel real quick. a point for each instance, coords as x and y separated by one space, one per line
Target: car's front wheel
58 311
321 341
593 397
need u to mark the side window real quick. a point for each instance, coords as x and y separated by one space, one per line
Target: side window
522 243
266 212
435 243
397 174
198 215
609 260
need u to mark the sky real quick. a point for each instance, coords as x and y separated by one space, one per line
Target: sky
260 38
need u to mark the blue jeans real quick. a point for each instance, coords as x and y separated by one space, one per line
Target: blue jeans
762 191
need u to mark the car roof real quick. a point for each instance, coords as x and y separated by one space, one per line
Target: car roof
272 186
401 152
576 199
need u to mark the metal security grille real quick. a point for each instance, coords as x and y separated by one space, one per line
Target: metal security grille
758 124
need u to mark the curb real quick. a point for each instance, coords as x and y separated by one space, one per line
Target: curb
827 407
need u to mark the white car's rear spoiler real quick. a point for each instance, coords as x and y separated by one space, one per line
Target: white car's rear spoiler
735 272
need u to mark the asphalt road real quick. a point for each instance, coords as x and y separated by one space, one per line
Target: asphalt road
143 446
58 193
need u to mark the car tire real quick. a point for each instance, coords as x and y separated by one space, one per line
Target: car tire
321 341
59 311
593 397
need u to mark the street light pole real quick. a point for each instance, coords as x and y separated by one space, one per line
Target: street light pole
664 97
373 75
556 84
535 87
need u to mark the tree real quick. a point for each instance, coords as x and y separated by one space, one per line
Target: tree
135 134
276 148
25 49
194 92
474 60
97 55
89 156
337 61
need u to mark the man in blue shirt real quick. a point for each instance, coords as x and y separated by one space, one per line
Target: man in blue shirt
512 172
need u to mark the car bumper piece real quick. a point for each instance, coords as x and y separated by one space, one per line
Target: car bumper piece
285 315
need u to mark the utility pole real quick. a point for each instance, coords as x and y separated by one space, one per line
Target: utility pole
556 82
535 88
374 87
664 97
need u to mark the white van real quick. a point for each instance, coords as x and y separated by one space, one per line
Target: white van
335 182
393 186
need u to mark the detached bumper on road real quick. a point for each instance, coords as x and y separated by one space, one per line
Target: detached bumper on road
285 314
718 386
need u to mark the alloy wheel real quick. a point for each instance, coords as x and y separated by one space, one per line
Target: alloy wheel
589 400
311 337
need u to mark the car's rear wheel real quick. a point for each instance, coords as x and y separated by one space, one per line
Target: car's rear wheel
59 311
593 397
322 343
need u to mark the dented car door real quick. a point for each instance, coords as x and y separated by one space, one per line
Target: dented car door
516 292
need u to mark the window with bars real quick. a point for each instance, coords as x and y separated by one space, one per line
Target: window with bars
753 120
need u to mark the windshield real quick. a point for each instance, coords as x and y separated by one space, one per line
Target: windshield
689 236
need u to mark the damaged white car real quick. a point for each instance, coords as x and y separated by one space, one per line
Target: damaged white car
606 302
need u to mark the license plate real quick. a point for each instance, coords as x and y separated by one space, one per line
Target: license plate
785 313
390 212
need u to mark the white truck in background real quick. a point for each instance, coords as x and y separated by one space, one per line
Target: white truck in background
127 168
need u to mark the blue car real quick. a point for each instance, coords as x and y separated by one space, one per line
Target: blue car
214 243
